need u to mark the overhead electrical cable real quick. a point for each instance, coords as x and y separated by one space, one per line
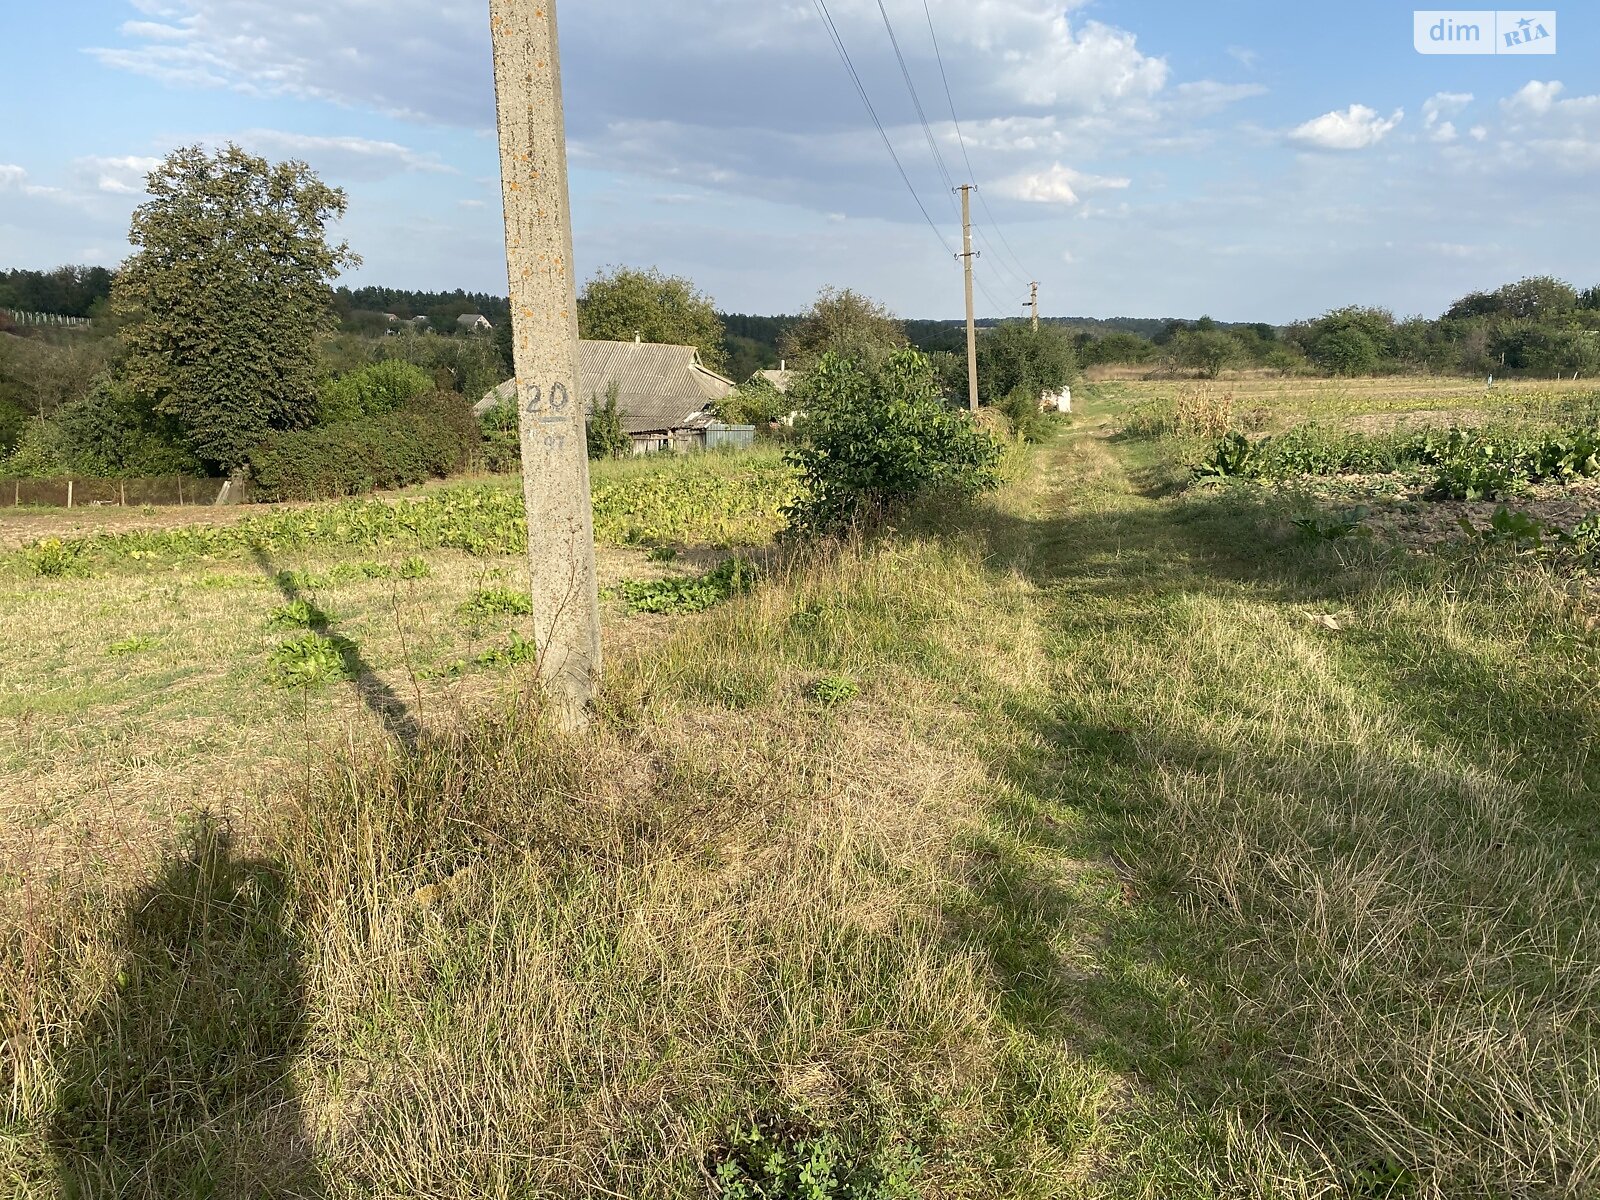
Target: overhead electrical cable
849 66
961 140
916 103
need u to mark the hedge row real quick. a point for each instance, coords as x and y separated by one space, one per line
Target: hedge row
429 437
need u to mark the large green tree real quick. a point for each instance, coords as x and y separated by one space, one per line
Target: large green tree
844 323
623 303
1208 351
1015 356
228 295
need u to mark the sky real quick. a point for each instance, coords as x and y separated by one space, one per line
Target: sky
1250 160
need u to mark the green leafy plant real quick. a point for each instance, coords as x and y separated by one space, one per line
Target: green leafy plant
517 650
298 614
702 499
54 558
308 661
1466 464
767 1163
1230 457
1518 528
1331 529
661 554
300 581
415 567
490 603
833 690
687 594
132 645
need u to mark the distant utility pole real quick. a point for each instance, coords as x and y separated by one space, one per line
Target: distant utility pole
972 326
1033 302
544 322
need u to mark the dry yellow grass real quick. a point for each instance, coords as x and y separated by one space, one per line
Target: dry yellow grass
1119 878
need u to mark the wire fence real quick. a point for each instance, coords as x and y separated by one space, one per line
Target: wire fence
162 491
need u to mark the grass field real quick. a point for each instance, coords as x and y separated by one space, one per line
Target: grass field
133 684
1106 839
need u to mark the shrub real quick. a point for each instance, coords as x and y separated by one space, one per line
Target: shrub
13 420
37 454
756 402
371 391
502 439
431 437
1021 408
880 438
604 430
112 432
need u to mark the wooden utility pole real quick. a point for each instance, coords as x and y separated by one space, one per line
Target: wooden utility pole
972 326
544 322
1033 302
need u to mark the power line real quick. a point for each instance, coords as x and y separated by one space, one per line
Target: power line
999 308
844 57
962 141
916 102
1012 276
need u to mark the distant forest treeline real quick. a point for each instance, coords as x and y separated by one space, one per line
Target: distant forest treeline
66 291
83 292
1538 325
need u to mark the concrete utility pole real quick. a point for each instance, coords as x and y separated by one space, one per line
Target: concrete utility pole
1033 302
544 322
972 326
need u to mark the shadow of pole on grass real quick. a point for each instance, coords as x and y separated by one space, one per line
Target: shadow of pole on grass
381 699
179 1084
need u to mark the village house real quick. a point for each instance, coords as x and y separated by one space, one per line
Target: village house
473 323
664 395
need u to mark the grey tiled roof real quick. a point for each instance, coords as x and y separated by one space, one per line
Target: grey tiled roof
658 387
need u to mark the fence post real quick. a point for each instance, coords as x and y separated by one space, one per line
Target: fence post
180 491
122 493
69 493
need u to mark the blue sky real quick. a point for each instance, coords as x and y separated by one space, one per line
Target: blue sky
1253 160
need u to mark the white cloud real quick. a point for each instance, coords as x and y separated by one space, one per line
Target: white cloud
1206 96
341 156
1546 130
14 178
1437 108
1356 128
114 176
154 31
1444 104
1056 185
1534 99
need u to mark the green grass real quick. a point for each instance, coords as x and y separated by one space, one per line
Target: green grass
1122 873
709 498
